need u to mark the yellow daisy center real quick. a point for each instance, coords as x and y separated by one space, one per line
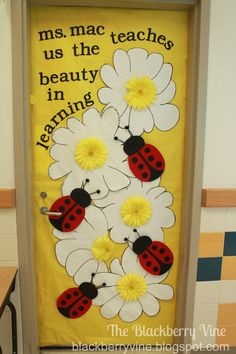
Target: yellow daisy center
131 287
102 248
136 211
141 92
91 153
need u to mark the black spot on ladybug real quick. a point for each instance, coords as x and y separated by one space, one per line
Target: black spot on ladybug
67 225
81 197
147 150
133 145
167 259
149 264
158 164
150 158
134 160
81 308
78 211
155 269
144 175
68 296
72 217
154 248
85 302
74 313
162 251
140 166
76 293
145 256
67 201
61 208
63 302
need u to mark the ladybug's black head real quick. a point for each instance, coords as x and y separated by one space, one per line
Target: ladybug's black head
81 197
141 244
133 144
89 290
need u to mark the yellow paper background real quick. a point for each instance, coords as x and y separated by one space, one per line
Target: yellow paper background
52 278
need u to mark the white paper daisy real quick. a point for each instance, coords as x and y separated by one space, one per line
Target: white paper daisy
129 290
140 88
86 249
141 206
87 150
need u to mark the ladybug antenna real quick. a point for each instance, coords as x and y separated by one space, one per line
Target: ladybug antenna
127 128
84 183
92 276
103 285
116 138
97 191
136 231
126 239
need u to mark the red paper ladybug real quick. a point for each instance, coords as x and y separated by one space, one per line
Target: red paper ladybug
75 302
145 160
154 256
71 209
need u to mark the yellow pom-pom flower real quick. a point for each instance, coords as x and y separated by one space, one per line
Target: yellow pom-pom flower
91 153
141 92
131 287
102 248
136 211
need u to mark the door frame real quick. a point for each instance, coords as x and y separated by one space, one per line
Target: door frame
199 15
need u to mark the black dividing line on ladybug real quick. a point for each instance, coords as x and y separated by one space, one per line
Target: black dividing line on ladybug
154 256
145 160
75 302
71 209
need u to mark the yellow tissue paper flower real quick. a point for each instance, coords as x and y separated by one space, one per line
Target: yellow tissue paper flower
136 211
131 287
102 248
91 153
141 92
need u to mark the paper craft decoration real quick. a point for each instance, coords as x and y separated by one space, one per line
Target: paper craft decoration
108 118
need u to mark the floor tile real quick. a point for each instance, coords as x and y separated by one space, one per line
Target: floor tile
226 315
227 293
230 244
211 244
207 292
228 268
209 269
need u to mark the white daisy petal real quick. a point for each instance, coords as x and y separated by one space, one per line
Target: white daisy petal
161 291
109 75
96 219
112 307
76 259
154 64
116 267
138 61
91 117
84 274
111 120
64 248
155 279
130 263
115 180
121 64
149 304
163 78
125 117
62 136
114 98
109 278
74 124
167 95
140 121
57 170
105 295
102 268
131 311
165 116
